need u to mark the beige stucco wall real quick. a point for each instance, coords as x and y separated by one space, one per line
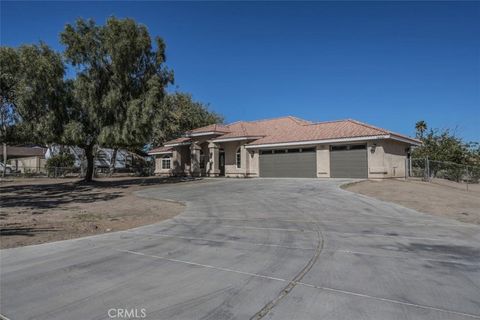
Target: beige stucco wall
254 164
230 149
386 159
158 165
33 164
323 161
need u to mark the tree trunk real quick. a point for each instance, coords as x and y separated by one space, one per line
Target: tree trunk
4 159
90 163
113 161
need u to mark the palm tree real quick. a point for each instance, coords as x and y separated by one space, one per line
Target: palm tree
420 127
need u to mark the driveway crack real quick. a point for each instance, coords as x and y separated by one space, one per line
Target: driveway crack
285 291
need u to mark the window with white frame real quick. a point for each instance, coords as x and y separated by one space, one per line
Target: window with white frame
238 158
166 162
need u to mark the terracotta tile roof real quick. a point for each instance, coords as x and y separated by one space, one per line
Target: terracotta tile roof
220 128
262 128
291 129
161 150
321 131
178 140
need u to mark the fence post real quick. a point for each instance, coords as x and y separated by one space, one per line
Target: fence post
468 176
426 173
410 166
406 168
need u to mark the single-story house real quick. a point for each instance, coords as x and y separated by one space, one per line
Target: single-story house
26 159
286 147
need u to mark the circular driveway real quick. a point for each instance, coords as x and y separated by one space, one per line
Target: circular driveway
256 249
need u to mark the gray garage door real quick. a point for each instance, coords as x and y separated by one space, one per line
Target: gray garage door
294 164
348 161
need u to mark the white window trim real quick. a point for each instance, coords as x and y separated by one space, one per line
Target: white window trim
169 161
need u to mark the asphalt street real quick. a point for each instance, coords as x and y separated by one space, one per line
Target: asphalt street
255 249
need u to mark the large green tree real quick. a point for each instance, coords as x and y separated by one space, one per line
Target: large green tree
443 145
180 113
119 86
449 154
33 93
8 79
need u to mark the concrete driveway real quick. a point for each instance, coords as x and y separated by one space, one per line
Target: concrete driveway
251 249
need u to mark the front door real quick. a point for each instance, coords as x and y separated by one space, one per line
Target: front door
221 162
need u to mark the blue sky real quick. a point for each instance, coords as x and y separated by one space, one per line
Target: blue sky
384 63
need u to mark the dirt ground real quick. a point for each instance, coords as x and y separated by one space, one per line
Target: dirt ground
43 210
445 199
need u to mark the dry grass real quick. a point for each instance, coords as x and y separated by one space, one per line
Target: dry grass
445 199
43 210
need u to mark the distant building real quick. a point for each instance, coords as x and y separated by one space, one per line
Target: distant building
103 157
26 159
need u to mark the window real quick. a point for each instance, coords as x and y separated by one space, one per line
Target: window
280 151
308 150
266 151
358 147
238 158
166 163
293 150
339 148
349 147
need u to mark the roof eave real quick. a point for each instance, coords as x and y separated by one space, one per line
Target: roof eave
206 133
159 152
319 141
237 138
411 141
177 144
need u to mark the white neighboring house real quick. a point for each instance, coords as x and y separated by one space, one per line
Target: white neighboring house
103 156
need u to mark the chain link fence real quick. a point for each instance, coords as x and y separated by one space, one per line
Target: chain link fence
438 171
74 172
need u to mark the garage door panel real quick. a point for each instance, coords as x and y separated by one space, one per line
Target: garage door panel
296 165
348 163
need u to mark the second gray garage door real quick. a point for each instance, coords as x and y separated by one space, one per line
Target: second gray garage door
288 165
348 161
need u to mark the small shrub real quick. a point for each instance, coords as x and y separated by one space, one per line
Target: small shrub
474 173
58 164
62 160
454 174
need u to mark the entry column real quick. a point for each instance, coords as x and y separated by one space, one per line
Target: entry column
214 159
195 170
